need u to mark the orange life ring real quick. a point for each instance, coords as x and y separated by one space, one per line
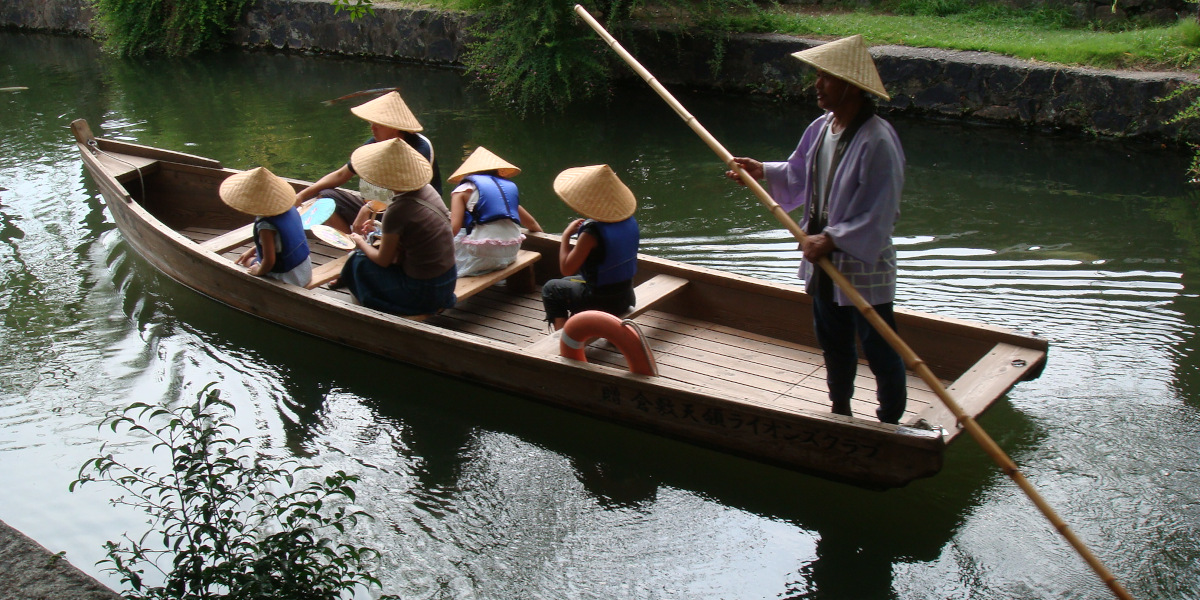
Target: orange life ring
588 325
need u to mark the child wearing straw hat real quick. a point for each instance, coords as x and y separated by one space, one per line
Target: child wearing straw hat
280 246
848 173
601 265
486 215
390 118
412 271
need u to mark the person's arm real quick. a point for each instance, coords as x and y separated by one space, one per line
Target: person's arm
385 254
247 257
527 220
267 261
752 167
787 181
332 180
364 221
571 258
817 246
458 209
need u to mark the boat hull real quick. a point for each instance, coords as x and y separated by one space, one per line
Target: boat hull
854 450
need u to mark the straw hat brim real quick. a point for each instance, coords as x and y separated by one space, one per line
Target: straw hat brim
848 60
388 110
257 192
596 193
483 160
392 164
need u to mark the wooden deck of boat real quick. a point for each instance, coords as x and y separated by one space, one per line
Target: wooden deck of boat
726 361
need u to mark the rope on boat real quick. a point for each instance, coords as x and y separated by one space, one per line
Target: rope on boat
95 148
911 359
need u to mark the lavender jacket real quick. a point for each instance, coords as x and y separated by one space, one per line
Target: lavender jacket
864 203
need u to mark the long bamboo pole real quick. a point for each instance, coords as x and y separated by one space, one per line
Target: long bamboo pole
910 357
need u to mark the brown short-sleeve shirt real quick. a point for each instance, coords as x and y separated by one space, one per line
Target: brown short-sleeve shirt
426 243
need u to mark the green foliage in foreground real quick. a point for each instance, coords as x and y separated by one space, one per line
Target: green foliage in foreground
1190 113
221 516
174 28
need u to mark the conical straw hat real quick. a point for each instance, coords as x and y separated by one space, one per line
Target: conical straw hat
848 60
482 160
392 164
258 192
388 110
596 193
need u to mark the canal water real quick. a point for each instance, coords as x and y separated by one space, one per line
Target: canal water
479 494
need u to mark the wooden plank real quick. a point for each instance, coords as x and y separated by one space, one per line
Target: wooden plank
483 325
488 318
756 356
984 383
233 239
497 306
678 370
547 346
200 235
731 345
469 286
481 330
328 271
509 304
748 363
653 291
735 343
126 167
464 288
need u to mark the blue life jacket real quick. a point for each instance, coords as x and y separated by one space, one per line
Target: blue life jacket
620 241
293 246
498 199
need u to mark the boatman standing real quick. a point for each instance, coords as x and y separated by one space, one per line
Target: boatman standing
848 172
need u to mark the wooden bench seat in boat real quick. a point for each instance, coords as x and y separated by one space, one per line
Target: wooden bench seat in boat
127 167
653 291
464 288
228 241
328 271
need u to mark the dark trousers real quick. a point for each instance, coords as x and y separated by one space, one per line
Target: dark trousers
570 295
837 327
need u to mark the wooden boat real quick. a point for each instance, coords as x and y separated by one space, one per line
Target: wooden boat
738 368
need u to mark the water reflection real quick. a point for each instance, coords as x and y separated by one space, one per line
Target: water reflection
484 495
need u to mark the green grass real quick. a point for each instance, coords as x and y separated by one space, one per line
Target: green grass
1035 35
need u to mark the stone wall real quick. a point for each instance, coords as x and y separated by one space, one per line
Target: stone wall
396 32
970 86
58 16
